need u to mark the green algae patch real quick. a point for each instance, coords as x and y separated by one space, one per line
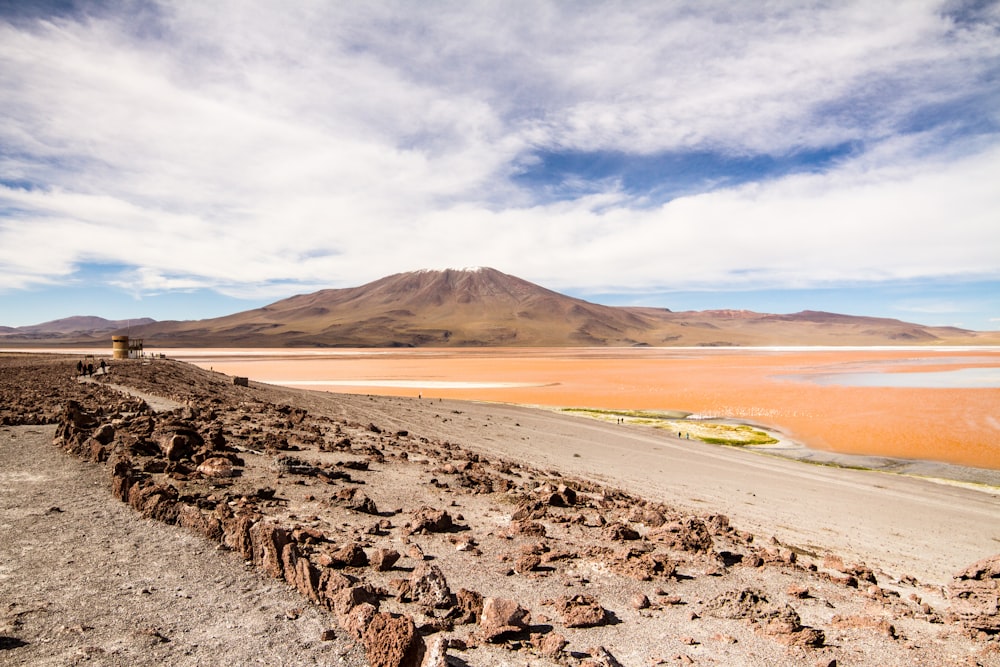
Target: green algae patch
716 433
734 435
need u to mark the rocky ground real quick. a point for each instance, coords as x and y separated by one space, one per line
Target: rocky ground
299 528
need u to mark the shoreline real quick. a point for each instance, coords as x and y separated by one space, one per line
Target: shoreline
986 480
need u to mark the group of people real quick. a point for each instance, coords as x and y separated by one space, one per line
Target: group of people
87 369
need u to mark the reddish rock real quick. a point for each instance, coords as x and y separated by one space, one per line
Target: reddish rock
353 499
689 534
349 555
217 467
639 601
879 624
430 520
983 570
269 539
383 559
437 653
581 611
392 641
155 501
470 606
550 645
618 532
527 563
797 591
356 621
643 565
501 616
648 517
104 434
300 572
748 603
529 510
525 528
192 518
975 595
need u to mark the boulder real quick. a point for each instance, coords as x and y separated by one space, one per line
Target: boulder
501 616
383 559
429 588
392 641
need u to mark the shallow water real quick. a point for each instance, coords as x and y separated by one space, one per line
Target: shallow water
954 420
962 378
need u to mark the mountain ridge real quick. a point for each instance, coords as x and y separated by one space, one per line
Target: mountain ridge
484 307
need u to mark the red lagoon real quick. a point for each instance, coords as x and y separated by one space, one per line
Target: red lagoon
939 404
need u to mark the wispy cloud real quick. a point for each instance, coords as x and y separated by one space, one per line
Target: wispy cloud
260 146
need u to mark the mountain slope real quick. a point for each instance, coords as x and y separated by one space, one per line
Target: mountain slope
453 307
484 307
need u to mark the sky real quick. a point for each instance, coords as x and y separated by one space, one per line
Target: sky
191 159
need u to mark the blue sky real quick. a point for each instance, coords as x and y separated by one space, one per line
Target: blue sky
184 160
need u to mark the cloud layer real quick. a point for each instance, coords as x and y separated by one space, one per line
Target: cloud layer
263 148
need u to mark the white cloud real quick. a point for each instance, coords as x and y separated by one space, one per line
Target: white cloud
241 145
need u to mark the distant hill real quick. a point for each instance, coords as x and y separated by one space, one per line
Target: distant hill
77 328
485 307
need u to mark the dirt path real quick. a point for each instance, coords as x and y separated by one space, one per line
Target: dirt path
156 403
83 579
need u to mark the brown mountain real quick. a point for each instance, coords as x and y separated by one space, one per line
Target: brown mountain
478 307
484 307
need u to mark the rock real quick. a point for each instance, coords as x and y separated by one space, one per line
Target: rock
383 559
689 534
430 520
501 616
470 606
643 565
600 657
428 587
355 500
982 570
581 611
797 591
104 434
551 645
357 620
350 555
527 563
217 467
525 528
746 603
648 517
880 624
437 653
618 532
392 641
975 595
268 540
529 510
639 601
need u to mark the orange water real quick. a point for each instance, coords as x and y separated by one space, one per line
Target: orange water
954 425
